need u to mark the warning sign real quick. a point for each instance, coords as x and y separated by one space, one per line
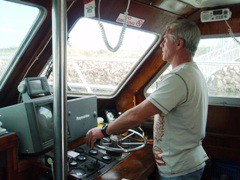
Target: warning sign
132 21
89 8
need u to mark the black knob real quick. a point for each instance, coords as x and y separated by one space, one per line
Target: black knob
73 163
106 157
81 158
93 152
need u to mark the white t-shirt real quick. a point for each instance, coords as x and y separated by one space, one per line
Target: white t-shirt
178 131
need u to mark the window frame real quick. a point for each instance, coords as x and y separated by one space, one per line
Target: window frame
134 68
212 100
25 43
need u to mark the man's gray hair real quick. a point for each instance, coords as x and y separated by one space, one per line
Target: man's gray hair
186 30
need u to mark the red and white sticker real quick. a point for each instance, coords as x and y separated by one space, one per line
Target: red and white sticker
132 21
89 8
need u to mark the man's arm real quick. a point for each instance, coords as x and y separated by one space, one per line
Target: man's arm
133 117
129 119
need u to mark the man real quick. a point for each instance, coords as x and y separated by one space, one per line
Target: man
180 107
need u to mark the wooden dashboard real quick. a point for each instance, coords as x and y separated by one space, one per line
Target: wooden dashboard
137 165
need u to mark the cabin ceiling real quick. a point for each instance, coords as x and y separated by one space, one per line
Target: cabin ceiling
187 7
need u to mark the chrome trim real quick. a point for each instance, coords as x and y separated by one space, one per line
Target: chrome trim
59 36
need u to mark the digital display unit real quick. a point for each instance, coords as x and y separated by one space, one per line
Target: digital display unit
37 86
33 121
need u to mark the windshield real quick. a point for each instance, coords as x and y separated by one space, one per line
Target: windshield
92 68
17 22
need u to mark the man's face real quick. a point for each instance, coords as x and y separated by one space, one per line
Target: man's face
168 47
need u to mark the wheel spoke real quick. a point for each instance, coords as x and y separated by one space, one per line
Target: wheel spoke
132 143
127 136
105 143
107 139
120 147
121 144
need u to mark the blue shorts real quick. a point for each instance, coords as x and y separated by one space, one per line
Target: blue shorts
196 175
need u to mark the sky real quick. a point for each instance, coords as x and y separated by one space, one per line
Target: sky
88 31
16 20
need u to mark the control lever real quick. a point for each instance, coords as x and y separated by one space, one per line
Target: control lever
93 165
96 164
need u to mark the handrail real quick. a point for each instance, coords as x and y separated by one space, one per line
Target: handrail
59 37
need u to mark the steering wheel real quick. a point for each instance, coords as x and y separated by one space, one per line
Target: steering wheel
123 143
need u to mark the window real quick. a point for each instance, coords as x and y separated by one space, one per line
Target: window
219 61
92 68
18 21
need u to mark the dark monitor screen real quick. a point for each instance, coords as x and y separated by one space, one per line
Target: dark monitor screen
217 12
37 86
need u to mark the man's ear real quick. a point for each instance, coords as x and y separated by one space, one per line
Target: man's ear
180 43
